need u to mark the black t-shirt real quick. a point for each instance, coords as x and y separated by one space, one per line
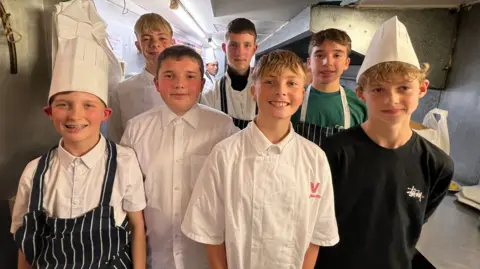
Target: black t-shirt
239 82
382 198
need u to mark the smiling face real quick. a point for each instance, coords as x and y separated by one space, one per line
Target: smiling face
327 62
151 43
180 82
393 101
279 94
77 117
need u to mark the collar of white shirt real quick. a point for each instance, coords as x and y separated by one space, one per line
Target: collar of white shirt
89 159
262 144
192 116
145 75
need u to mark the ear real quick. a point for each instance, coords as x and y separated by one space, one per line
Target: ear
347 64
309 64
255 49
47 110
139 48
423 88
203 84
224 47
107 112
252 92
360 94
157 85
173 41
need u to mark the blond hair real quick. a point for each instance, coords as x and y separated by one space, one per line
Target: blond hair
383 72
152 22
331 34
276 61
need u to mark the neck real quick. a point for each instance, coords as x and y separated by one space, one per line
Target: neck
233 71
275 130
151 68
78 149
386 135
330 87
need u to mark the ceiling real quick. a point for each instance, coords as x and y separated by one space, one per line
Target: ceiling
212 16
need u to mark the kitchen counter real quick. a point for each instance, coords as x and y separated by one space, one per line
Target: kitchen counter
451 238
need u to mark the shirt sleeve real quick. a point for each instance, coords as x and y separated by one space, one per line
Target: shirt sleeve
325 231
127 137
134 199
208 97
204 220
22 198
114 124
439 188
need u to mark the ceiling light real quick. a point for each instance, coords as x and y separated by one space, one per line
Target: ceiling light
187 18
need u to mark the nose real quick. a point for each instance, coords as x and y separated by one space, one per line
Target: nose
155 43
282 89
76 112
327 59
179 82
392 97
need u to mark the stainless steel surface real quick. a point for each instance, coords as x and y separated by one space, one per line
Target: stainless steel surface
451 238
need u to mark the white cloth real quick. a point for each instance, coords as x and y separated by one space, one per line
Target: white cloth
83 61
171 150
129 99
390 43
71 186
209 83
209 56
267 202
240 103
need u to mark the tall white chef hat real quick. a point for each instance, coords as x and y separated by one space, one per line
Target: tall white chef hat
83 61
209 56
390 43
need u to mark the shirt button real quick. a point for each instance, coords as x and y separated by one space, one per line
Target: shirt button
178 253
176 188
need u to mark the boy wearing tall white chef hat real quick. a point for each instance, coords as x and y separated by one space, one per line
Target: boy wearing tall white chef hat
387 179
80 204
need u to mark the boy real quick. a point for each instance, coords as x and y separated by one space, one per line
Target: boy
137 94
172 143
327 107
279 209
387 179
74 204
231 91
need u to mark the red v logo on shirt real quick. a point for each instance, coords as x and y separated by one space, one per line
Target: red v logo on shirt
313 189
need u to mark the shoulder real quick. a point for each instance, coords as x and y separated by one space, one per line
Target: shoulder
214 116
128 84
125 154
29 170
143 124
436 157
232 145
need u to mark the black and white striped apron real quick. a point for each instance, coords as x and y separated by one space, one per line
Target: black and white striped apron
224 106
89 241
315 133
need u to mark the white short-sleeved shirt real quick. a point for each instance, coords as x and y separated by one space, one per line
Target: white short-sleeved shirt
171 151
129 99
240 104
267 202
71 185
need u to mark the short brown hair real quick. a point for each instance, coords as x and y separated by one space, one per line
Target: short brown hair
277 61
331 34
177 52
383 72
152 22
240 26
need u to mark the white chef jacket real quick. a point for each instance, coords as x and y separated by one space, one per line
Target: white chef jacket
209 82
71 185
130 98
240 104
171 150
267 202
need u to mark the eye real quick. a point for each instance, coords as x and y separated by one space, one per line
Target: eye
337 55
191 76
318 56
167 75
292 83
89 105
61 105
377 90
268 82
404 88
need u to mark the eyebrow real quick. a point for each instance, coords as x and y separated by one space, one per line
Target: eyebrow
335 50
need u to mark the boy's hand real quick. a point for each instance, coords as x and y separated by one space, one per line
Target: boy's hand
22 261
310 257
217 256
139 245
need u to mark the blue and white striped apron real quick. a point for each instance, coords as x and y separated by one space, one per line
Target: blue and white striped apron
315 133
89 241
241 124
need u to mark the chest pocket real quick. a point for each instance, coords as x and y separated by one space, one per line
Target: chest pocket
196 164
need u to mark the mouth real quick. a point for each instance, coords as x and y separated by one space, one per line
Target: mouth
327 72
75 127
391 111
279 104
